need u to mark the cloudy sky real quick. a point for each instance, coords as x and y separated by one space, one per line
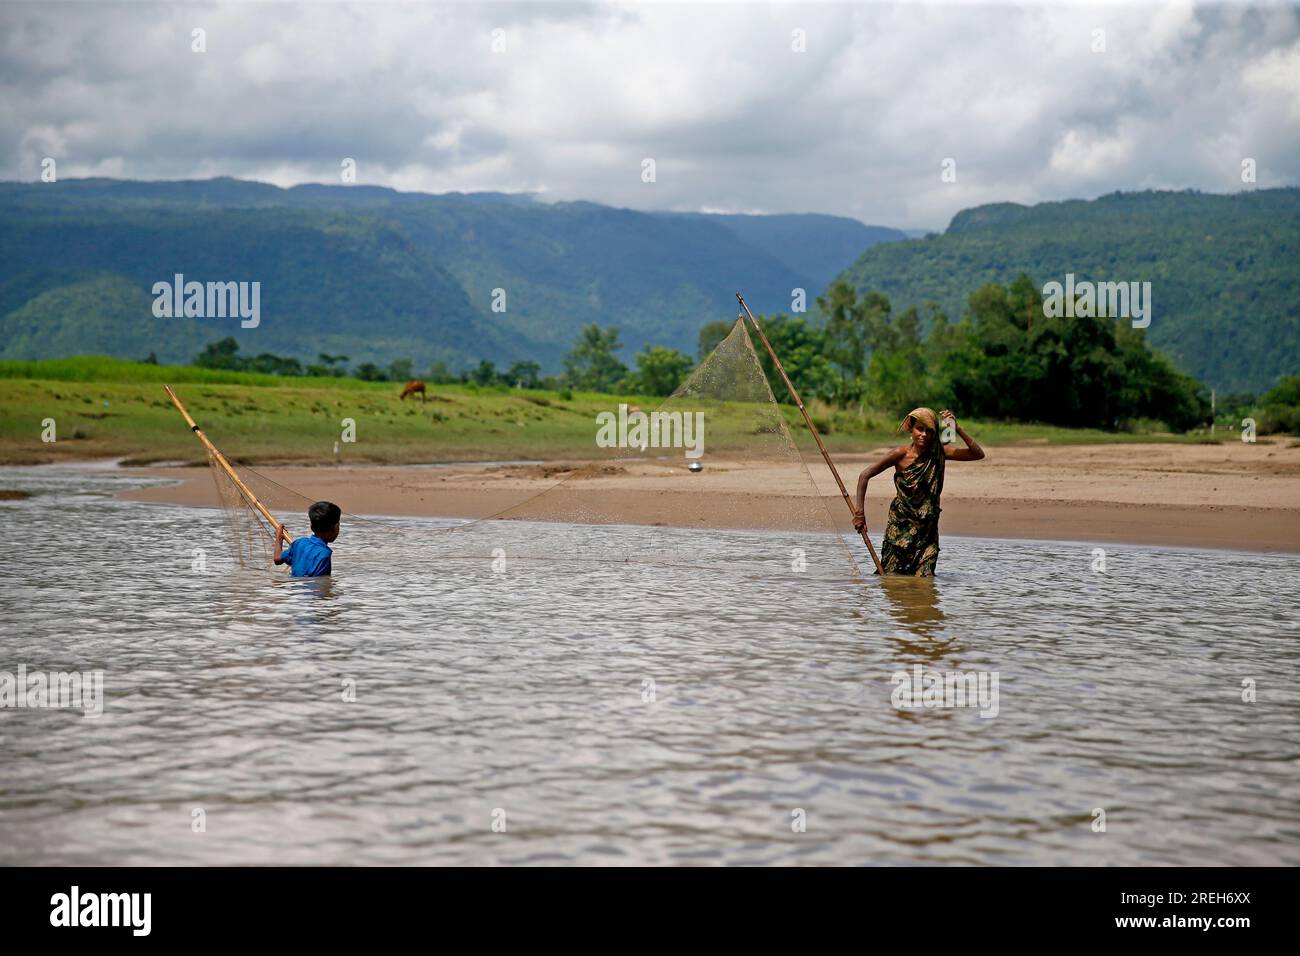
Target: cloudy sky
849 109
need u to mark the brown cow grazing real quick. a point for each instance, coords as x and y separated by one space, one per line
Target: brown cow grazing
413 386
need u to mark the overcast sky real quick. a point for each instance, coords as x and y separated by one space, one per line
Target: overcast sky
859 123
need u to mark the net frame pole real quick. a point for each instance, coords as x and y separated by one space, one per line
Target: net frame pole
226 466
812 428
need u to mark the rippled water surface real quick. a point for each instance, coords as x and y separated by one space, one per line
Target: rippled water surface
524 698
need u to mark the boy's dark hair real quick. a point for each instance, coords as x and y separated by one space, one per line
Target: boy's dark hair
324 515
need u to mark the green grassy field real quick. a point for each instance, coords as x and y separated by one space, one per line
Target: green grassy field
107 408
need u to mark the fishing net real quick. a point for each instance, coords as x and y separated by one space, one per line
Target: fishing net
251 535
710 478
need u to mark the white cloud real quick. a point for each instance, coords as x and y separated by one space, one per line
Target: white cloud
1277 74
735 119
1083 156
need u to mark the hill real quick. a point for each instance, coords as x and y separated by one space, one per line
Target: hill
1224 270
808 243
378 274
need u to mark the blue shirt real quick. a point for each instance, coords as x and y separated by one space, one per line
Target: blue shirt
308 557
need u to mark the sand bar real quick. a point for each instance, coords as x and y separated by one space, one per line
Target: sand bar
1231 495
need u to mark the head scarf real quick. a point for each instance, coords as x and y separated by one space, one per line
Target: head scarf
923 416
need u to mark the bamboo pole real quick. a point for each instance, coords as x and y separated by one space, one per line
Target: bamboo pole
225 465
812 428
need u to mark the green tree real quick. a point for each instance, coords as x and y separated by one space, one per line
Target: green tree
711 336
485 374
660 370
802 350
854 329
896 374
1009 360
274 365
441 374
1280 406
222 354
592 364
370 372
401 370
1001 375
330 365
524 375
949 351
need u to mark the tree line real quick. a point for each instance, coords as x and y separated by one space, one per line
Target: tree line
1005 359
591 365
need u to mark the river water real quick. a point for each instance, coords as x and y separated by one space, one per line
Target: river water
417 709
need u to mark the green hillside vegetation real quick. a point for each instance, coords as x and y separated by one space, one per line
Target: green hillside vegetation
1279 408
327 284
380 275
1224 270
809 244
53 324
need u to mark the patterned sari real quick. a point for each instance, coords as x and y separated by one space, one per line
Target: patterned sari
911 544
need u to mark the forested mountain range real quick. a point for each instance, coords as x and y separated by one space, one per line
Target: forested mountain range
1224 270
378 274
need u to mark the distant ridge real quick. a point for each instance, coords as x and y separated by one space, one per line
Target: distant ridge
1224 269
379 274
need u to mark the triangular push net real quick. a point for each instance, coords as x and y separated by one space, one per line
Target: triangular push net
749 507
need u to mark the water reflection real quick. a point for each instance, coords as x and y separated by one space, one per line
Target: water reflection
914 604
919 634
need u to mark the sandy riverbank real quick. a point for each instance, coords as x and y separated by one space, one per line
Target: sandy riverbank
1232 495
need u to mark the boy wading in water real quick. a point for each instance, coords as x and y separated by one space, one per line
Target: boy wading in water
310 557
911 543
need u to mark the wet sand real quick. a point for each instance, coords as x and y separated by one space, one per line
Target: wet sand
1232 495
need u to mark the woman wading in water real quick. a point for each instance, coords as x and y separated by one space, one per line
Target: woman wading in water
911 543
